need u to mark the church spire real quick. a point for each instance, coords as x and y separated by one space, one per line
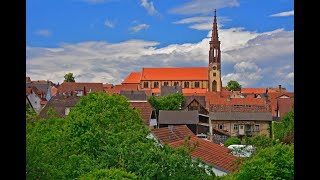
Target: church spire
215 37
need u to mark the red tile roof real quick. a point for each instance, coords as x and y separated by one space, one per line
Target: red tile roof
279 94
112 91
195 73
120 87
211 153
43 102
107 86
164 135
73 86
253 90
285 105
212 98
145 110
133 77
54 91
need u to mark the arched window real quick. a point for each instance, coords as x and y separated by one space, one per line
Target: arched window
214 86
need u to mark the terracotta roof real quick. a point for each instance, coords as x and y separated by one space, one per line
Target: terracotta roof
188 73
126 87
221 131
242 101
253 90
165 135
241 116
285 105
274 106
145 110
112 91
156 90
43 102
133 77
279 94
54 91
200 99
276 89
73 86
211 153
58 103
107 85
196 91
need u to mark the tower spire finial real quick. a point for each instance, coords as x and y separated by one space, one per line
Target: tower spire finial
215 12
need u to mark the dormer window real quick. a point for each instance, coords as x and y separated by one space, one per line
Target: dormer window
79 93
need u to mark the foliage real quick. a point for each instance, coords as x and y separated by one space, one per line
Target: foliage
168 102
232 140
233 85
103 132
69 77
30 114
284 130
275 162
260 142
109 174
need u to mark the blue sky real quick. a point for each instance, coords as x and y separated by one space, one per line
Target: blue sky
104 40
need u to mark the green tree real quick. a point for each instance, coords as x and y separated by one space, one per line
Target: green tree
69 77
233 85
110 174
168 102
260 142
103 132
232 140
275 162
30 114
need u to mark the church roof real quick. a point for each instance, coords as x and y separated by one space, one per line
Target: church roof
133 77
187 73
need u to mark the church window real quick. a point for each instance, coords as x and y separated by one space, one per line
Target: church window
166 83
176 83
145 84
197 84
214 68
156 84
186 84
214 74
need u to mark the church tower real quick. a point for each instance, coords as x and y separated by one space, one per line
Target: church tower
214 69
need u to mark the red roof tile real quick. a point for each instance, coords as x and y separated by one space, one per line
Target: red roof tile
195 73
112 91
285 105
145 110
54 91
73 86
196 92
133 77
120 87
279 94
209 152
107 86
179 133
253 90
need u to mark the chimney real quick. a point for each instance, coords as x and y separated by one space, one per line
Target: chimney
280 88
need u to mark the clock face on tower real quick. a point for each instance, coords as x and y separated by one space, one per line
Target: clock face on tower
214 68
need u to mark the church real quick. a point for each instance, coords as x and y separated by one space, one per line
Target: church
193 80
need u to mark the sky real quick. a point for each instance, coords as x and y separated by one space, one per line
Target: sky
105 40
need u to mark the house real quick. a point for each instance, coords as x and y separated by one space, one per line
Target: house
212 154
253 90
42 85
241 123
79 88
146 111
195 103
61 104
35 97
196 122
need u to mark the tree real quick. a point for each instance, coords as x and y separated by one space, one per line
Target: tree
69 77
168 102
103 132
232 140
30 114
275 162
233 86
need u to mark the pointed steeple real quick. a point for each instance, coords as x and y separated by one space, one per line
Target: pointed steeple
214 53
215 37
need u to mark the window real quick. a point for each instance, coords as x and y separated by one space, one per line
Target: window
145 84
79 93
220 126
156 84
257 127
176 83
241 127
235 127
66 110
197 84
166 83
186 84
214 68
214 74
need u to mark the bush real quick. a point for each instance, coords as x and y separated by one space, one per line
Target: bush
232 140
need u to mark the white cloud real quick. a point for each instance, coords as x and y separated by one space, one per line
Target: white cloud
201 22
282 14
149 7
203 6
108 23
139 27
44 32
254 59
